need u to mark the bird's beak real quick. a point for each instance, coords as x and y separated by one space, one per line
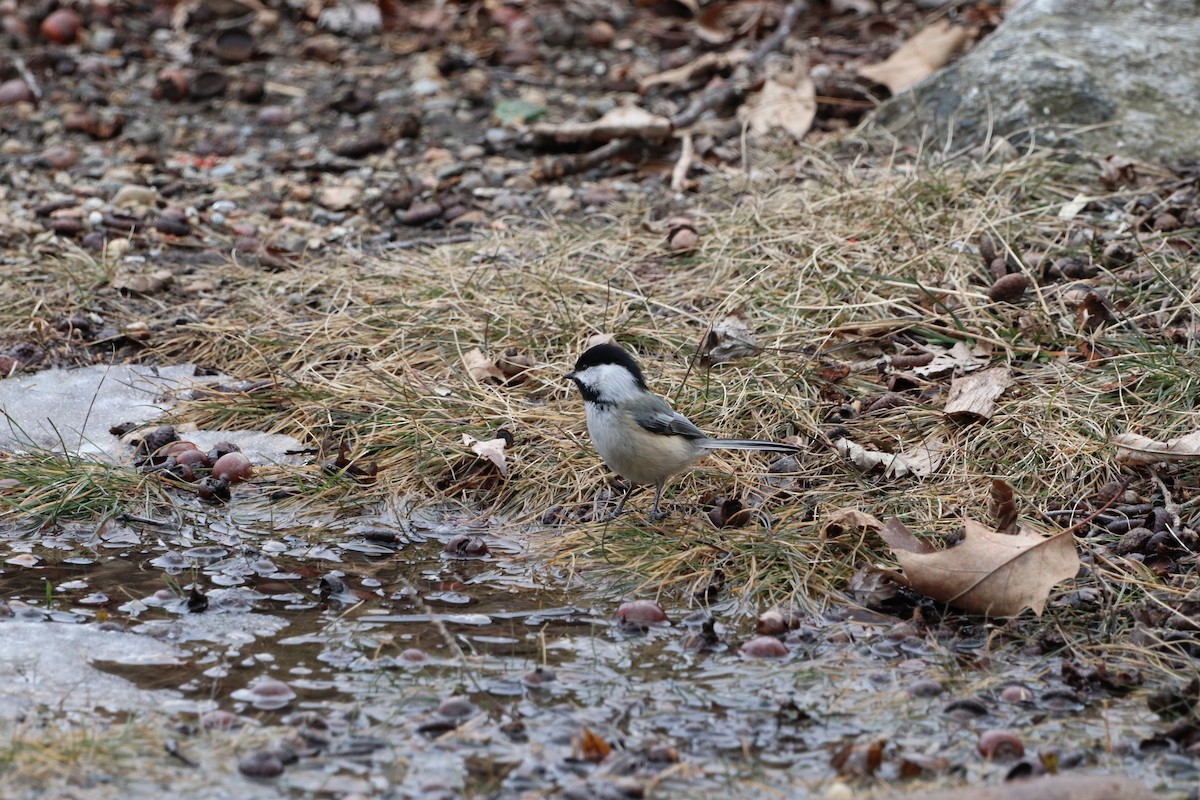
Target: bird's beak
570 376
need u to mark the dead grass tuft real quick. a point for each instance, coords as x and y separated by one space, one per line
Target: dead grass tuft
830 260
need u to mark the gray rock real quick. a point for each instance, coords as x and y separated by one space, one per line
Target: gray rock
1104 76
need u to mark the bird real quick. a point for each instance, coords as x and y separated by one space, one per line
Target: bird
636 432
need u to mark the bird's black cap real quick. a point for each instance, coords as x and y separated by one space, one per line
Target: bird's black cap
610 354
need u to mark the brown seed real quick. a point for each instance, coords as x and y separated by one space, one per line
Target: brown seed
192 459
274 116
1016 694
456 707
997 745
172 84
57 158
208 84
176 448
641 611
600 33
413 656
234 46
261 764
466 546
234 467
1009 288
1165 223
1116 254
420 213
764 647
62 26
66 226
925 688
15 91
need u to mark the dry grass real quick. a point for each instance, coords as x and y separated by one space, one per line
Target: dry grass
830 260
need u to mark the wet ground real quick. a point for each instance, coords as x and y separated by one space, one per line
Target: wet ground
357 656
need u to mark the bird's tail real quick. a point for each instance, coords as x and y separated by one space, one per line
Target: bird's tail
748 444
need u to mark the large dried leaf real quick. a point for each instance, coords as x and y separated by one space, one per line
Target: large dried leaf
989 573
919 57
727 340
1136 450
787 100
973 397
921 460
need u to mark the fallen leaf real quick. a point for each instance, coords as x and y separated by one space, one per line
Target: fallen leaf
960 358
598 338
514 366
143 283
846 519
619 123
989 573
1002 506
924 459
491 449
787 100
973 397
893 465
592 747
1070 209
480 367
1136 450
728 340
919 57
856 760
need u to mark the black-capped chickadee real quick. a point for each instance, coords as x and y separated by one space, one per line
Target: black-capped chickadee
639 436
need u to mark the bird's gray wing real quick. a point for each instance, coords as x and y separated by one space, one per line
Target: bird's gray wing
658 417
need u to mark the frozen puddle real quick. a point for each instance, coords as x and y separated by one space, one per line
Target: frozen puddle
71 411
49 665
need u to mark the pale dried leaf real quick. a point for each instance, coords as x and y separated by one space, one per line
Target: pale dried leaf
959 359
844 519
974 397
893 466
143 283
599 338
924 459
729 339
1071 208
619 123
989 573
919 57
1136 450
480 367
491 449
787 100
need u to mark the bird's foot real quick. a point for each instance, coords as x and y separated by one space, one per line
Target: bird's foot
657 516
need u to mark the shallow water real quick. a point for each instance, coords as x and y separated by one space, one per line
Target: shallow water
423 675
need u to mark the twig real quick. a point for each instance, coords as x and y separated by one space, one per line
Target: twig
679 173
27 76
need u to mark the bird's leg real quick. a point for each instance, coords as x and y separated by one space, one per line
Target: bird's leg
621 504
655 514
